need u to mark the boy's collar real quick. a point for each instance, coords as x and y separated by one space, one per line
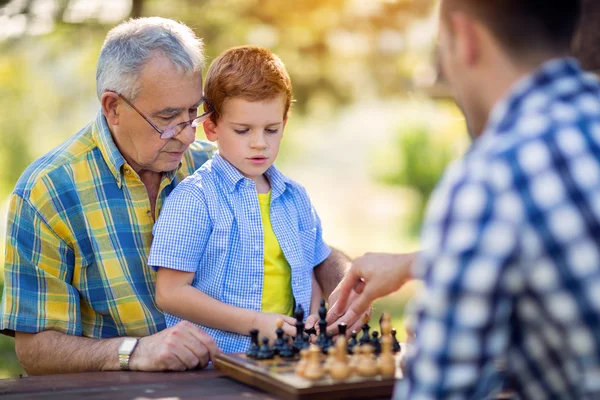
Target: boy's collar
233 177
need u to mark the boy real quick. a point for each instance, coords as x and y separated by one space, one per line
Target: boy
236 243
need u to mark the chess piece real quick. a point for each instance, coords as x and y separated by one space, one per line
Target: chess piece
375 343
286 350
352 342
342 329
314 370
395 343
367 365
265 352
323 341
365 338
301 366
254 347
387 362
278 345
330 358
340 368
355 359
300 341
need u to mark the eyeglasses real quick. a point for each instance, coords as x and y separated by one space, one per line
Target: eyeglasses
174 130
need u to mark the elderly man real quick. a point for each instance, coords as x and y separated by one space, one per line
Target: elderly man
511 249
79 295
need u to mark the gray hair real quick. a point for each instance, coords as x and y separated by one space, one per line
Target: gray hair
131 44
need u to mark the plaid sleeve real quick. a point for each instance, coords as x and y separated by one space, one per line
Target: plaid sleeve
468 242
38 270
182 230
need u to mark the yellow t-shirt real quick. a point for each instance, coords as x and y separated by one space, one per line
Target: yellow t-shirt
277 296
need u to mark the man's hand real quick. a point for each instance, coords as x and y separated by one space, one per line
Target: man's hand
266 324
353 321
371 276
183 346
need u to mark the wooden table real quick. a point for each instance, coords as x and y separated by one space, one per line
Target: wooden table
205 384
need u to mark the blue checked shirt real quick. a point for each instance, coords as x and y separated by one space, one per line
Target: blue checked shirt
511 251
211 225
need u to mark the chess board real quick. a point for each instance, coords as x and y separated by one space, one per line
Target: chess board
277 376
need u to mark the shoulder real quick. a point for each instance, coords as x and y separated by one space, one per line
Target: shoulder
55 169
197 154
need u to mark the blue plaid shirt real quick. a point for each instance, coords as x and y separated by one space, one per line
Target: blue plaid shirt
211 225
511 251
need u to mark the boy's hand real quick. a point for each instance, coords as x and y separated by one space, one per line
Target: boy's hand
265 323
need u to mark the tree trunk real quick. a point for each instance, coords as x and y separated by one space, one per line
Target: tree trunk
586 46
136 8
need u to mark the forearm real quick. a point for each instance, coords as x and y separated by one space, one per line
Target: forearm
331 271
196 306
52 352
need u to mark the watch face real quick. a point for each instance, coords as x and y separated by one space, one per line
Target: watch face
127 345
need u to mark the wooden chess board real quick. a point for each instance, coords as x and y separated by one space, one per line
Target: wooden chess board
278 376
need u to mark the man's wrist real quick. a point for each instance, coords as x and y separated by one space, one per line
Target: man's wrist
125 352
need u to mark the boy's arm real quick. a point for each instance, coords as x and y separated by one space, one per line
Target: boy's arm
176 295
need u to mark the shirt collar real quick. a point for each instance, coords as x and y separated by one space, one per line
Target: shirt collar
109 150
111 153
232 177
537 82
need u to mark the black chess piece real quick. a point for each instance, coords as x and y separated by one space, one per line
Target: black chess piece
352 342
252 351
265 352
365 338
278 345
323 340
287 350
342 328
376 343
300 341
396 344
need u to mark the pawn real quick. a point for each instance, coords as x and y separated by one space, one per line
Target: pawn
254 347
352 342
355 360
286 350
375 343
330 360
342 327
340 368
314 370
301 366
365 338
368 364
265 352
387 361
395 343
278 345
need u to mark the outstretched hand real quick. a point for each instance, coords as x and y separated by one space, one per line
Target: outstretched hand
370 277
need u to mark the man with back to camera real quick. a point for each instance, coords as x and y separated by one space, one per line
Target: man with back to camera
510 246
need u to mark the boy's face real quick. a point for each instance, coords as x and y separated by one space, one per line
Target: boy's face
249 134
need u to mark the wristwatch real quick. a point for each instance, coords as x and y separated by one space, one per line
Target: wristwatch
125 349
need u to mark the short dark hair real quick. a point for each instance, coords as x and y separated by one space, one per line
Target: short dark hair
524 25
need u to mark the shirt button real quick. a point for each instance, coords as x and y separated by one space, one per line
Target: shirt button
127 171
149 213
256 248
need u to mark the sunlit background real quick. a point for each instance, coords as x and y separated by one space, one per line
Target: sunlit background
371 131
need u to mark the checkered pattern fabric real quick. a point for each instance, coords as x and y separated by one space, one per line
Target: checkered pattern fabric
211 225
511 251
79 233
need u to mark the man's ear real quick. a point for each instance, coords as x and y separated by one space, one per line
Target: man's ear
210 130
466 38
110 107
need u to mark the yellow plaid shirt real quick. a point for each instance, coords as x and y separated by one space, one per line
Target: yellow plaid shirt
78 237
